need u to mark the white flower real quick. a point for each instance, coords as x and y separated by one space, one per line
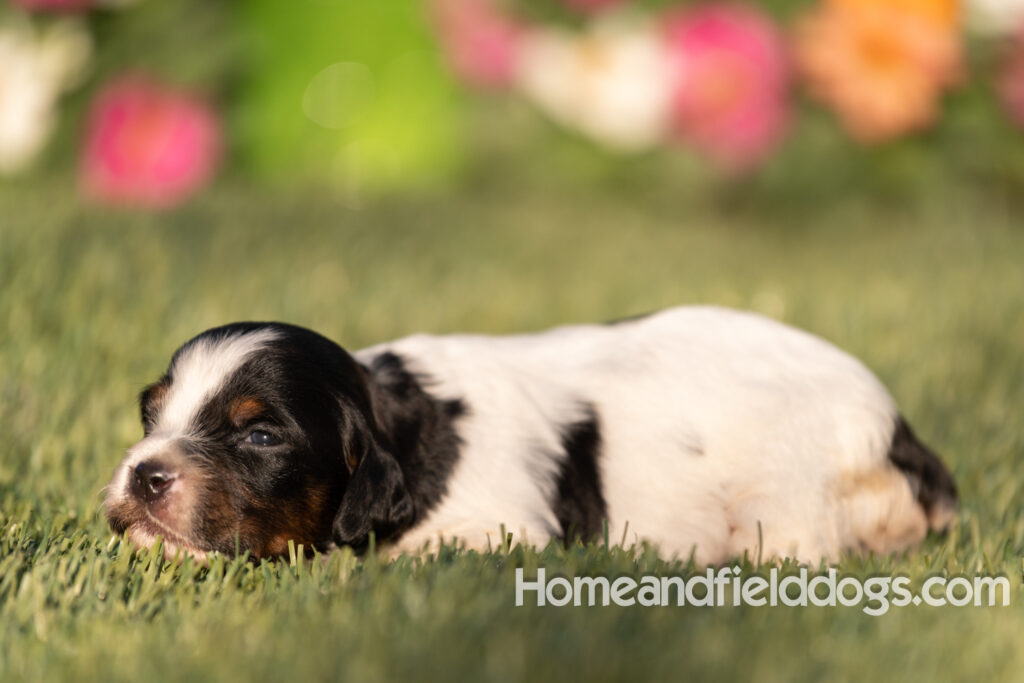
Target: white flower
998 17
612 83
36 68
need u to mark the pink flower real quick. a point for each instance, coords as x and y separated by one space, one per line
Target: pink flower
480 42
54 5
731 92
147 144
1010 84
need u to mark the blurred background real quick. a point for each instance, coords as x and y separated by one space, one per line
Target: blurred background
145 104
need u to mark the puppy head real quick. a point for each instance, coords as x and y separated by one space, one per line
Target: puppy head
258 433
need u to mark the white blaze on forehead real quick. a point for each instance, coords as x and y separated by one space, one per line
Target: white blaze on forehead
201 370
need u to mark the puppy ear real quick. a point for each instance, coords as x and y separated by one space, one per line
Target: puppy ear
376 500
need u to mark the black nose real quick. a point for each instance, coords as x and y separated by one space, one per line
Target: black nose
151 480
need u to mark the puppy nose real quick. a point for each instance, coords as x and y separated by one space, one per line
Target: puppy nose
151 480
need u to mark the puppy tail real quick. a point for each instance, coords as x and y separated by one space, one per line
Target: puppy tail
931 482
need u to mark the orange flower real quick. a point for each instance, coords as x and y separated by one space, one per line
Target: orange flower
881 64
942 13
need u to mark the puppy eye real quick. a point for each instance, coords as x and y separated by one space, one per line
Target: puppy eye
261 438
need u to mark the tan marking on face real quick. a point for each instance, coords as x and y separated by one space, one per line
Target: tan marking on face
155 397
303 521
244 409
278 545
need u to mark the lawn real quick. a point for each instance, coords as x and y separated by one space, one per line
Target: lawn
929 291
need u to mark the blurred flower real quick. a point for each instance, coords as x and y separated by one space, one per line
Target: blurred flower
479 40
37 68
730 99
943 13
147 144
996 16
1010 83
882 64
612 83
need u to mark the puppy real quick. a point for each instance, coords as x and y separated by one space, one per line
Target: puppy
706 431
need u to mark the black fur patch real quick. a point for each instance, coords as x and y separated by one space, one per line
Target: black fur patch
930 480
579 503
417 428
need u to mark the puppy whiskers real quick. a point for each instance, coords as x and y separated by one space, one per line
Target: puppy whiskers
174 536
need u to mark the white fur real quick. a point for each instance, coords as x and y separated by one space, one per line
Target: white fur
721 433
199 372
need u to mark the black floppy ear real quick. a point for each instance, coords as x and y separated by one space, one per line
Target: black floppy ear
375 500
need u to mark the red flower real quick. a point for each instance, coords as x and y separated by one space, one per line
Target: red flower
148 145
731 95
480 42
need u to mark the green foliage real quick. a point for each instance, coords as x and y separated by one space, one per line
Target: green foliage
928 292
398 130
188 42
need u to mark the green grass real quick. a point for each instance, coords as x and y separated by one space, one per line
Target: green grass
929 293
